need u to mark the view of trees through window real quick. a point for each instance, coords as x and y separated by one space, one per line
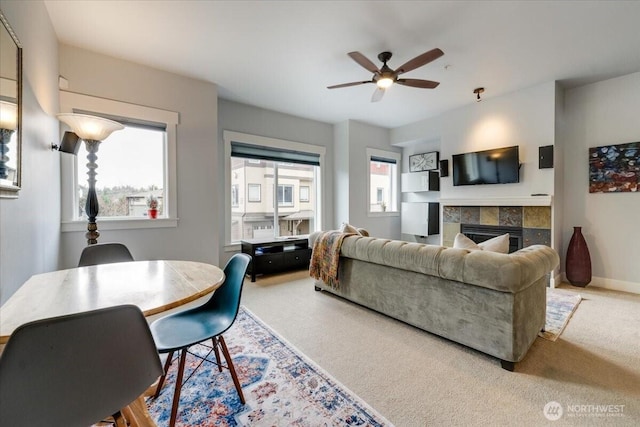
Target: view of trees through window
130 171
271 198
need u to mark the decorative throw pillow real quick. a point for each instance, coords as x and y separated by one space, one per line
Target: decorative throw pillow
348 228
463 242
363 232
498 244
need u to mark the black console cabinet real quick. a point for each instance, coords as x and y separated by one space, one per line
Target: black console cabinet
275 255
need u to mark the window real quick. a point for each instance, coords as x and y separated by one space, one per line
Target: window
304 193
382 182
254 193
285 195
234 195
124 182
275 168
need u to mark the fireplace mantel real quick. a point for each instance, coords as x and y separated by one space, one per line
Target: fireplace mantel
499 201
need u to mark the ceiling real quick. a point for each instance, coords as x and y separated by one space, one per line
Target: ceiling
281 55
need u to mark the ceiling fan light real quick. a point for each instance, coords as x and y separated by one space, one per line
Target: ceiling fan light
384 82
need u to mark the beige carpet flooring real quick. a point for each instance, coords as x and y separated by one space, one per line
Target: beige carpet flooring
414 378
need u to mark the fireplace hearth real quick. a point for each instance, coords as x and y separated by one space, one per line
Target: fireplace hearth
480 233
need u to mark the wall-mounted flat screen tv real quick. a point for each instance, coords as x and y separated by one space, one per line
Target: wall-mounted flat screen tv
497 166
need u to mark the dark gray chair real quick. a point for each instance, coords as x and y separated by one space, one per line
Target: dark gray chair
76 370
104 253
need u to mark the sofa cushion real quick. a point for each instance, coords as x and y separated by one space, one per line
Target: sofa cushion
395 253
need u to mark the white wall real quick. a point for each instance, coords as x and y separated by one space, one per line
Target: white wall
341 175
603 113
30 225
525 118
199 187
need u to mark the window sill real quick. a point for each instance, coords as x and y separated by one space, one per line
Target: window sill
382 214
120 224
232 247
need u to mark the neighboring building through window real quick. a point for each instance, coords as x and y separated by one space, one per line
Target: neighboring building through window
285 195
383 181
304 193
282 184
254 193
234 195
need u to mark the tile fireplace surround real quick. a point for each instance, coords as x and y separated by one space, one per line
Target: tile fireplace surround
534 220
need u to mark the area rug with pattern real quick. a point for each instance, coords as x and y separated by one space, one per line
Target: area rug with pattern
560 307
282 387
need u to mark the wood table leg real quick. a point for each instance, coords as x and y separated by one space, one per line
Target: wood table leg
137 415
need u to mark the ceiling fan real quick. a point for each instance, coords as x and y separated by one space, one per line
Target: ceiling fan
384 77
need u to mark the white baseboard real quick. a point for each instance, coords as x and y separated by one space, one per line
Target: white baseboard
603 282
555 280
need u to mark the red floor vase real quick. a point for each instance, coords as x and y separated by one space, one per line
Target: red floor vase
578 268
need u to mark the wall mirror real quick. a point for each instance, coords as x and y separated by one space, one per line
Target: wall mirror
10 110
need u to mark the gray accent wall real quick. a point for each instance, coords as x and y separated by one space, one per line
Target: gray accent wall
199 188
237 117
30 224
599 114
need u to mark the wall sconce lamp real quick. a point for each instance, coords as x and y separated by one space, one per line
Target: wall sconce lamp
478 91
92 130
70 144
8 125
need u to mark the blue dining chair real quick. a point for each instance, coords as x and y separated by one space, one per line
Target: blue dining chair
77 369
181 330
104 253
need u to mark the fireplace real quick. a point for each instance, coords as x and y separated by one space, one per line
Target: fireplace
479 233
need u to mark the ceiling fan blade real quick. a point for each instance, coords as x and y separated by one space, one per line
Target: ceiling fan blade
364 62
377 94
424 84
349 84
420 60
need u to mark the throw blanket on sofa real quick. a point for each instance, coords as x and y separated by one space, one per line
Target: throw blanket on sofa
325 257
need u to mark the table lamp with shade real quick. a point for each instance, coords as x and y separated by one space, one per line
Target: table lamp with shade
8 125
92 130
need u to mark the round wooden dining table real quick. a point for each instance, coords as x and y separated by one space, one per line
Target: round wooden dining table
154 286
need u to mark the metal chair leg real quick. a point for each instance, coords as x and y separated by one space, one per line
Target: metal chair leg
232 369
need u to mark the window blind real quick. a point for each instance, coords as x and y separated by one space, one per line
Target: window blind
258 152
127 121
383 160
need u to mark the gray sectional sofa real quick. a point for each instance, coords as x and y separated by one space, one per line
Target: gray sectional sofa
492 302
